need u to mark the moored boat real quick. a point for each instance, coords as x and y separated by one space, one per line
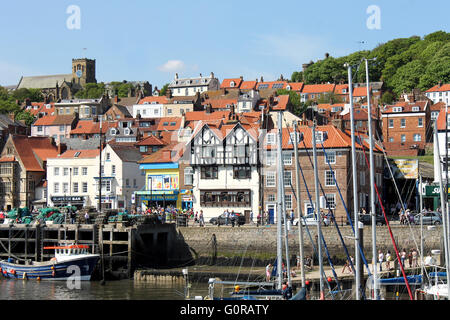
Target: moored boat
71 261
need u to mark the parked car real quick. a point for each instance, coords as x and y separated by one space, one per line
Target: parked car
430 217
366 219
309 219
221 220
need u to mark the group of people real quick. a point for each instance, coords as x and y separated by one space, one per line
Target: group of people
411 257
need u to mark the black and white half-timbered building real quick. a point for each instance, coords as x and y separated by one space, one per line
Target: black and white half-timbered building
225 160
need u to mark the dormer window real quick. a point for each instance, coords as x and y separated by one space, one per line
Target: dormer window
415 109
271 138
288 88
113 131
397 109
232 84
126 131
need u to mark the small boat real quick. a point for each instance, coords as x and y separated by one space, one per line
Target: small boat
70 261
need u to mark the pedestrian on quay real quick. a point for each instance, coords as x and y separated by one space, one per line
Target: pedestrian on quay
410 258
251 216
258 219
381 259
233 218
196 217
202 219
403 257
86 217
268 272
227 217
414 258
388 260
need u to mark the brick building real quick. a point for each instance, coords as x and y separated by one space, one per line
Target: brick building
338 148
406 128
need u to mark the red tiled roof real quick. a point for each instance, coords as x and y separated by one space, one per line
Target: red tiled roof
92 127
271 84
54 120
339 87
226 83
407 106
296 86
151 141
83 154
157 100
440 121
318 88
248 85
220 103
37 107
34 150
7 159
281 102
436 88
360 91
202 115
170 153
438 106
169 123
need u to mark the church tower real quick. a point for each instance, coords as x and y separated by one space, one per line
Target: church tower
83 71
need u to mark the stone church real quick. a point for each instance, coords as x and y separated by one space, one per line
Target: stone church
62 86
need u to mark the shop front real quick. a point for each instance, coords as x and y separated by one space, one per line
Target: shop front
62 201
432 197
155 199
187 199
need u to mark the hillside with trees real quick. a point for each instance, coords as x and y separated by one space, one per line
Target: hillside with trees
402 64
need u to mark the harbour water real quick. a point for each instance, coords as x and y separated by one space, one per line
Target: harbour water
114 290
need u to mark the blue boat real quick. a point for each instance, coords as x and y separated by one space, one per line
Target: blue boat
415 279
70 262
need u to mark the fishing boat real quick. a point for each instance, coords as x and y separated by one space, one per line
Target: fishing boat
69 261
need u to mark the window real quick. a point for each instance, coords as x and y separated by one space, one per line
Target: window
85 187
65 187
169 111
319 137
271 158
270 179
188 176
330 157
242 172
108 156
330 201
420 124
292 137
61 128
84 171
271 138
417 137
75 171
287 178
403 138
287 159
391 123
378 179
329 178
113 170
402 123
75 187
288 201
271 198
56 171
209 172
65 171
56 187
391 139
362 178
40 128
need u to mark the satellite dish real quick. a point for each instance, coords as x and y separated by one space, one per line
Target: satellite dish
79 73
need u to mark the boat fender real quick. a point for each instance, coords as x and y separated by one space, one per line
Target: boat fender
38 278
13 271
52 267
53 259
24 275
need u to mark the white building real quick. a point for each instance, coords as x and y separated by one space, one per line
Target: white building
73 177
225 162
247 101
190 86
439 93
441 125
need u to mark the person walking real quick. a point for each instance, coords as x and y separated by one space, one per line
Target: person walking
233 218
86 217
196 217
410 258
403 257
268 272
258 219
388 260
380 259
251 216
201 219
414 258
227 217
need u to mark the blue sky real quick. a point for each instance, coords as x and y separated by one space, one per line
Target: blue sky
152 40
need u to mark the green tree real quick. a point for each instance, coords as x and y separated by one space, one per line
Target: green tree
297 76
329 97
163 90
26 116
91 91
387 98
294 98
35 95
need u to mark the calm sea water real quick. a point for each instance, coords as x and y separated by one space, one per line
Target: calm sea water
93 290
112 290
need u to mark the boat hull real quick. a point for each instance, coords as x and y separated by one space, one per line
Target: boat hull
74 269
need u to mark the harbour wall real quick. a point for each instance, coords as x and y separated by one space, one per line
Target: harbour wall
249 244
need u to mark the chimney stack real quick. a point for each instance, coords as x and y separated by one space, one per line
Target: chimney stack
169 93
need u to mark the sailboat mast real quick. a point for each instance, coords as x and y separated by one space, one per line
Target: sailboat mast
372 175
299 206
443 203
317 210
280 201
355 188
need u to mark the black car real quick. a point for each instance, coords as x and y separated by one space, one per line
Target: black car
366 219
221 220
